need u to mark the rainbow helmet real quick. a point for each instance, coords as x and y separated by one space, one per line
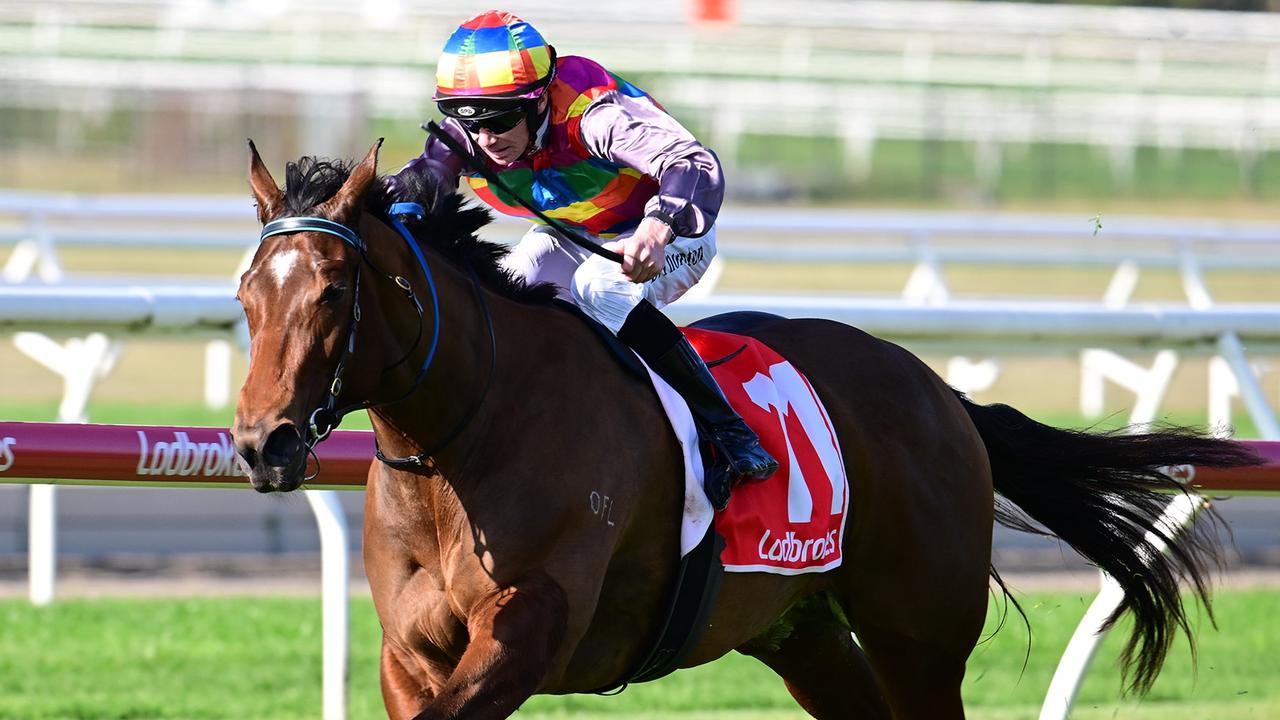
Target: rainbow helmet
492 64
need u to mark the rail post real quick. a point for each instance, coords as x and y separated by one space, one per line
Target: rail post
334 583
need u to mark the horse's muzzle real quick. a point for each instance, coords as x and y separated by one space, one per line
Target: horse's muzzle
276 464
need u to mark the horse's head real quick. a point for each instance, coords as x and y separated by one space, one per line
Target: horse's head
299 297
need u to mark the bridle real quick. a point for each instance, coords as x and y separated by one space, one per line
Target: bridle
329 415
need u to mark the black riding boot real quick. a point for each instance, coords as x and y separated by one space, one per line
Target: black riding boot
664 348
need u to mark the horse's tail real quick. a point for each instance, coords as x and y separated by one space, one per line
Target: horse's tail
1103 494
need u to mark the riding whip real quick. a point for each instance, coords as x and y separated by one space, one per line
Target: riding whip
479 166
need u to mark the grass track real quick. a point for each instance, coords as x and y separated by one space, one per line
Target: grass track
260 658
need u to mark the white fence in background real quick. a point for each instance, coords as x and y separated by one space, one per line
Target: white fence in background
1008 44
41 225
997 75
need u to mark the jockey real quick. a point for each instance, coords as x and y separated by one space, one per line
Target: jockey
600 155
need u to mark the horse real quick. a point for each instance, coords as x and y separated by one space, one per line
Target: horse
500 413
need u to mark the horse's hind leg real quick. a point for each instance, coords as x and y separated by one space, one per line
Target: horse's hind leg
918 603
921 681
825 671
918 615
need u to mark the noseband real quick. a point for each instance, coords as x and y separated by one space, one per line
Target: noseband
325 418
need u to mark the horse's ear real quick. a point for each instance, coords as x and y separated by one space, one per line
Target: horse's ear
342 207
265 191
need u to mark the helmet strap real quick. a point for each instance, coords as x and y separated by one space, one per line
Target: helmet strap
533 120
532 116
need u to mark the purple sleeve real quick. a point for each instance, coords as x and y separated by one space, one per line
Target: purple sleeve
436 160
635 133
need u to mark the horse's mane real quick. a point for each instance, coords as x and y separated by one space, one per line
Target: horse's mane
449 228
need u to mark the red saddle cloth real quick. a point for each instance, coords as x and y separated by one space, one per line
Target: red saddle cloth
793 522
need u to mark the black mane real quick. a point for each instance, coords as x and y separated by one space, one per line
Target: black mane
450 225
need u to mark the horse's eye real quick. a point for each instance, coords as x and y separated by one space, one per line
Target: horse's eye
333 293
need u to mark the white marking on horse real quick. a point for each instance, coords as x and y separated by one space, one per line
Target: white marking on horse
281 264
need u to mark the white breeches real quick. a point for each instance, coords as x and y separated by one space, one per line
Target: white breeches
597 285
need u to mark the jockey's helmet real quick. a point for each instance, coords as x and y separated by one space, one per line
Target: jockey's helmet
493 65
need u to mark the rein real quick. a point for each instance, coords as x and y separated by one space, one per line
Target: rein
325 418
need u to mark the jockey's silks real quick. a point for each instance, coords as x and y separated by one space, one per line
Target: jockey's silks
562 179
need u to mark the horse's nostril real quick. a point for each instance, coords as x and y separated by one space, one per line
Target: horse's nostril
249 455
283 446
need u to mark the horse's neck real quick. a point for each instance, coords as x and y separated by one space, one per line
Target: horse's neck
542 361
534 353
455 370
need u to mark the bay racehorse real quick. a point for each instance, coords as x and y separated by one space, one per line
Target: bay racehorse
493 576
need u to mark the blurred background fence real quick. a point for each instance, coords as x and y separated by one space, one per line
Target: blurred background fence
821 100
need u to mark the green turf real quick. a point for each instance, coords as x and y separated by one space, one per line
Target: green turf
260 658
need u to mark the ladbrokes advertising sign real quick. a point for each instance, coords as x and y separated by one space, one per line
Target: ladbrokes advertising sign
88 453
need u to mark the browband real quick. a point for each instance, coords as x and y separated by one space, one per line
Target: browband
285 226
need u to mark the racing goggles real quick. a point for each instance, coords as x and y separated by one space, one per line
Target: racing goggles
494 116
495 124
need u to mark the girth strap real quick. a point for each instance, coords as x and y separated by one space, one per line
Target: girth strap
696 588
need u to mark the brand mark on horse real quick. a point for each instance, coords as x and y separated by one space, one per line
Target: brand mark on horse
6 452
183 457
602 505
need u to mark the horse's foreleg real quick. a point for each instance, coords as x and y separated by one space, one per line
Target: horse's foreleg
403 694
514 635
